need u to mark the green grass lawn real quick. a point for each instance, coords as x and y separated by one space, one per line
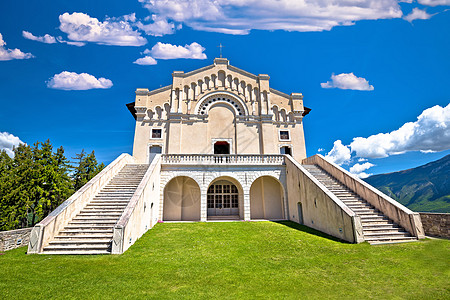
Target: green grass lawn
235 260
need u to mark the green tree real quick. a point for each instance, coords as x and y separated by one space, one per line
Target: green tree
85 169
35 182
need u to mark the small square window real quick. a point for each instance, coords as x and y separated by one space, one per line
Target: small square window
284 135
156 133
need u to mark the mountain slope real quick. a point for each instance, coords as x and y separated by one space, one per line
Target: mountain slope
425 188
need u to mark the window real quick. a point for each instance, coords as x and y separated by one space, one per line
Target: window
156 133
284 135
285 150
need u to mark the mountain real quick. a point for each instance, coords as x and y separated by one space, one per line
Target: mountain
423 189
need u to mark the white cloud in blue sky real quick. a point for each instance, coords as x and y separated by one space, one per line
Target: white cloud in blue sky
417 14
169 51
358 169
10 54
347 81
72 81
430 133
8 142
434 2
80 27
145 61
46 39
241 16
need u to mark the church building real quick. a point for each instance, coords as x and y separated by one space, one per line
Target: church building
227 117
219 144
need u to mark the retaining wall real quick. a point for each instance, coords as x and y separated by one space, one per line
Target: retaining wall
436 224
13 239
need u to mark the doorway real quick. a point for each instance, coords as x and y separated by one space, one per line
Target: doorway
153 151
285 150
221 147
223 199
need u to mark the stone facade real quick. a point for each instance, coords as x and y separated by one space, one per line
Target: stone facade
218 103
14 238
436 224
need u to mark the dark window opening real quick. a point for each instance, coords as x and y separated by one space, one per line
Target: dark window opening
284 135
156 133
221 148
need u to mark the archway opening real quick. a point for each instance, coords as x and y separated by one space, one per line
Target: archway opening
181 200
221 147
266 199
223 199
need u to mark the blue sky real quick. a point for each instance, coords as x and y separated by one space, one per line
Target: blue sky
366 68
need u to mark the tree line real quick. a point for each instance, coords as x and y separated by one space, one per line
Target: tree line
38 179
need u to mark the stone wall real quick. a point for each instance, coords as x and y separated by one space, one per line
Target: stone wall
14 238
436 224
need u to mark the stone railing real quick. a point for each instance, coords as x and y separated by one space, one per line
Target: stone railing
321 209
141 213
223 159
388 206
45 230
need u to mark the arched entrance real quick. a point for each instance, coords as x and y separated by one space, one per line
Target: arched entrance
181 200
266 199
223 199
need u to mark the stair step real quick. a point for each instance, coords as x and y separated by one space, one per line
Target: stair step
81 237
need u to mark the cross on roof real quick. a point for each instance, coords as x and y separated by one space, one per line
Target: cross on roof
220 47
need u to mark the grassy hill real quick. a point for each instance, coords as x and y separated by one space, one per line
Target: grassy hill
424 189
234 260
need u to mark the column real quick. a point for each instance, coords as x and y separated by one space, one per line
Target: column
246 205
203 205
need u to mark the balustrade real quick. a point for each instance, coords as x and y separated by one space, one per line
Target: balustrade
223 159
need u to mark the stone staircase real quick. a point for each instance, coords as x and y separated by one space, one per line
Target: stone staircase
91 231
377 228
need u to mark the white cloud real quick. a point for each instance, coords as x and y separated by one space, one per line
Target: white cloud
62 41
358 169
10 54
320 150
168 51
347 81
434 2
73 81
417 14
146 60
8 142
47 39
339 154
431 132
159 27
81 27
241 16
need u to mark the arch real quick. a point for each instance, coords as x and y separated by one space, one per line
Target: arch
166 110
240 191
158 111
207 82
204 103
275 112
283 115
181 199
266 198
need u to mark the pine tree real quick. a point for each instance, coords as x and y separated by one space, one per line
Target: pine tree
87 167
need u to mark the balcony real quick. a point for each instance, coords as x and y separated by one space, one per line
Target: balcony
223 159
